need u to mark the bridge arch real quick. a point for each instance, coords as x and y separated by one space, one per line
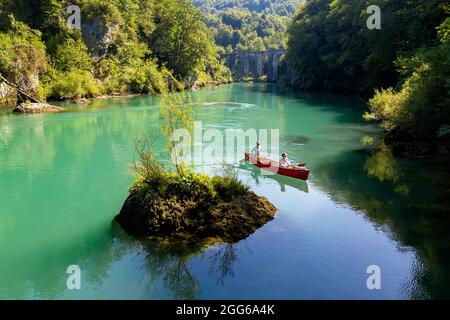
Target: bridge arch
255 64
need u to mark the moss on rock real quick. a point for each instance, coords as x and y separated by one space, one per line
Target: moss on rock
194 206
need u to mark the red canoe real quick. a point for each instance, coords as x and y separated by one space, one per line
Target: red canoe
274 166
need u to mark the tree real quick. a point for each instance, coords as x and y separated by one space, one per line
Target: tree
420 106
181 41
176 113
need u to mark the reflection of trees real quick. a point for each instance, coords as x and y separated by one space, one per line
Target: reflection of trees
222 262
168 262
47 167
383 166
34 142
417 218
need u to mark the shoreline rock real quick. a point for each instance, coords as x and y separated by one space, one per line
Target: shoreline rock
33 108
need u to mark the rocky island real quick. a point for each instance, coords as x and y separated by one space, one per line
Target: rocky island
194 206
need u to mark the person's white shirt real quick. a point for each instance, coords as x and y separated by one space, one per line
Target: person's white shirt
284 162
257 151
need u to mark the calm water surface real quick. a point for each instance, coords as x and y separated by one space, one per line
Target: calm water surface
63 178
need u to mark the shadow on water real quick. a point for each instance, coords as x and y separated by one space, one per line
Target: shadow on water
407 199
98 104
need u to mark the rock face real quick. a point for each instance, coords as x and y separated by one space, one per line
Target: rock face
8 95
28 108
174 215
99 37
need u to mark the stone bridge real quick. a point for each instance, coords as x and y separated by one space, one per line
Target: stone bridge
254 64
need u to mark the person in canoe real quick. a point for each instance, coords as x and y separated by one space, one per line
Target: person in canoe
284 161
257 150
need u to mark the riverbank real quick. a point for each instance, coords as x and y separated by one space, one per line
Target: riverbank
10 102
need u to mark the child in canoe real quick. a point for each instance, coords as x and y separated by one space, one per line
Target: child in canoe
284 161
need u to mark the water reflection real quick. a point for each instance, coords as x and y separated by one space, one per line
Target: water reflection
407 199
282 181
167 261
223 260
382 165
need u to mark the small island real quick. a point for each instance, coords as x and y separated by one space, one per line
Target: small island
190 205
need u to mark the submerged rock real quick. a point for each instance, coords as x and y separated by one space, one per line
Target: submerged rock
299 139
36 108
193 216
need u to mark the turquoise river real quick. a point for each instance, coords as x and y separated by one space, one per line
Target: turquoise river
63 178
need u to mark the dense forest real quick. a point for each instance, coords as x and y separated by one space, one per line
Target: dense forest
404 66
124 46
249 25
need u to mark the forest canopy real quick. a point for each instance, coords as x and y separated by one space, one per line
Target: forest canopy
249 25
405 63
124 46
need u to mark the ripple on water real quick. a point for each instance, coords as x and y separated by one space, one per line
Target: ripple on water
230 105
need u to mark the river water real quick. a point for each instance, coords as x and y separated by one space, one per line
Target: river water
63 178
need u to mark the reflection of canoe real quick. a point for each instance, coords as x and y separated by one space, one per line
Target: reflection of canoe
274 166
283 181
